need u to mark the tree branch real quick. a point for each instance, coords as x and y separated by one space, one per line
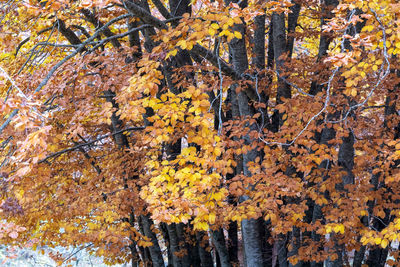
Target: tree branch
144 15
98 24
56 154
59 64
8 120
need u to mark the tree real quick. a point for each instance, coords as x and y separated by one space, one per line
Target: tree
188 133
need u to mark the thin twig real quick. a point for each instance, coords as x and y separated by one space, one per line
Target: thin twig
5 74
73 254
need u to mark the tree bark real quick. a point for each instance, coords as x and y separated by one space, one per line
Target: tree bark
155 251
219 243
174 245
205 255
252 240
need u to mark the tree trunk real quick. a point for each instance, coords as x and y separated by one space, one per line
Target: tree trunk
219 243
155 251
205 255
174 245
233 246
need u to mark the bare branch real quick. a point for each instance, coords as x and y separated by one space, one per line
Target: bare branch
5 74
144 15
79 49
56 154
98 24
163 10
59 64
8 120
103 41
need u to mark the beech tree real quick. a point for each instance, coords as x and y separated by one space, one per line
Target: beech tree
202 133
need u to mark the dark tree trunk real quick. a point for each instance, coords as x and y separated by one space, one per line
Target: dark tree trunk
359 257
251 238
324 41
219 243
134 254
378 255
188 245
267 247
279 40
174 245
295 245
155 251
233 243
203 246
259 42
292 24
281 250
164 230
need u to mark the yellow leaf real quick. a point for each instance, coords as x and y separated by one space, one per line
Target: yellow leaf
368 28
201 226
354 92
384 243
371 5
211 218
183 45
217 151
217 196
341 229
19 194
363 213
238 35
215 26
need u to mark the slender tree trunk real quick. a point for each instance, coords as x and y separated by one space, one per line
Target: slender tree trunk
251 238
359 257
233 246
219 243
174 245
324 41
134 254
155 251
295 245
279 40
188 244
378 255
281 250
205 255
164 230
293 16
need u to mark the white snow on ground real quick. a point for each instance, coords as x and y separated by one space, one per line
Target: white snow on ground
30 258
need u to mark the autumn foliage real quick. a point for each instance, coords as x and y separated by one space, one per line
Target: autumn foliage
188 133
